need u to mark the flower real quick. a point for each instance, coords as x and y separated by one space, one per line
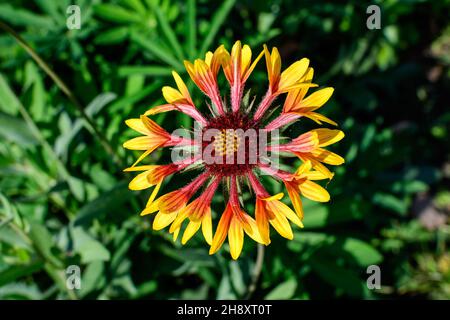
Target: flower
232 151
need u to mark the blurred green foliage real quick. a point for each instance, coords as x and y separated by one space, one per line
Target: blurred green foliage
63 201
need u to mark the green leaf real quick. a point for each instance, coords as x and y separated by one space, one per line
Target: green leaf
20 291
9 102
304 239
18 271
88 247
43 242
283 291
16 130
217 21
76 186
10 236
169 33
135 5
34 85
362 252
191 16
156 49
225 292
145 289
318 215
94 276
121 103
155 71
112 36
340 277
107 202
20 17
391 202
94 107
237 278
116 14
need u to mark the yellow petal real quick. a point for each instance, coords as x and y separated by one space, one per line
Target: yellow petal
318 98
277 196
176 232
262 221
208 58
252 67
172 95
251 229
235 237
273 64
328 136
296 86
296 95
246 58
304 167
293 73
144 154
275 61
159 109
181 86
319 174
140 143
313 191
280 207
190 70
308 79
182 215
207 228
201 68
291 98
221 231
327 157
281 224
154 193
137 125
190 230
141 168
318 118
162 220
153 207
294 195
140 182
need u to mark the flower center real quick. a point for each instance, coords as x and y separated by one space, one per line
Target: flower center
230 144
226 143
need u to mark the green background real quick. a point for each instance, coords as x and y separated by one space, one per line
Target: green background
64 198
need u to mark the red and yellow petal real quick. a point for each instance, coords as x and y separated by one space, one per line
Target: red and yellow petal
235 237
294 195
222 230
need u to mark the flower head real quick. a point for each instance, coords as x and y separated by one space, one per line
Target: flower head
233 148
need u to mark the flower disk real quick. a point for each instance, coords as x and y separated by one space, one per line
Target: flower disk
233 147
233 150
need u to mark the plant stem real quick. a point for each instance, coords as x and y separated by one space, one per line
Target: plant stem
256 272
64 88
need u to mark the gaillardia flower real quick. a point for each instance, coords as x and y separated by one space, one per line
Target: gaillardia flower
233 147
